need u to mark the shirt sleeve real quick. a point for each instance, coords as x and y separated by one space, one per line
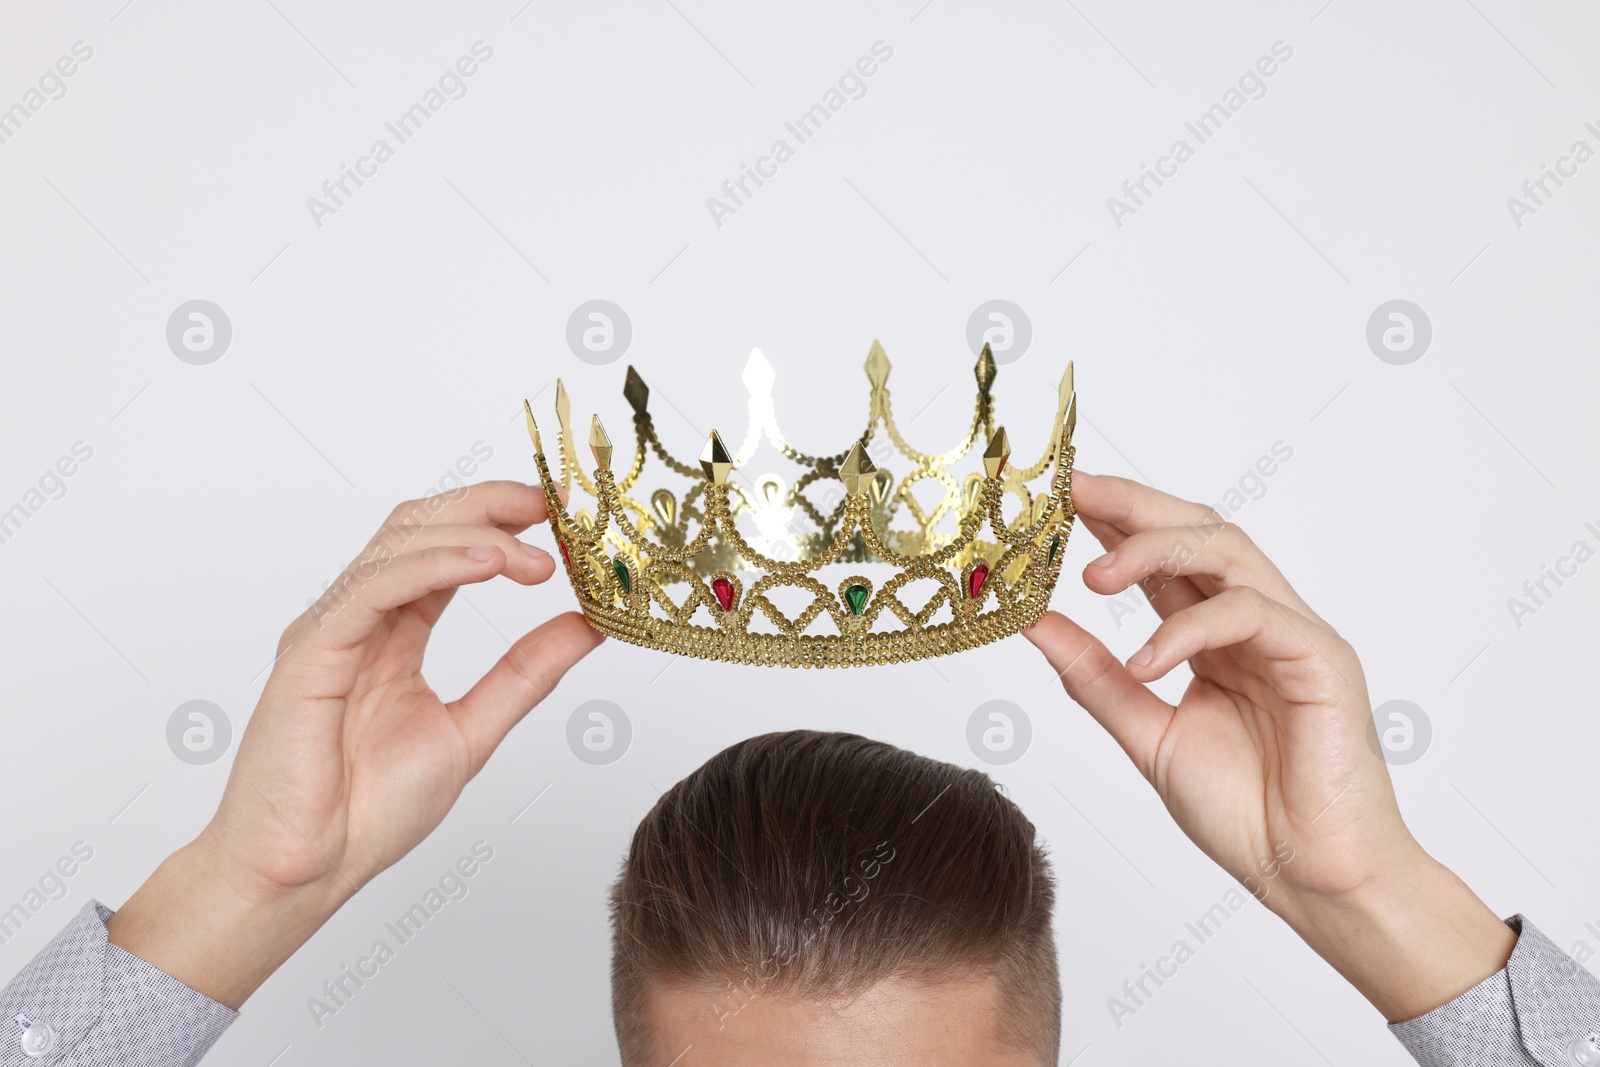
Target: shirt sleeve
84 1002
1542 1010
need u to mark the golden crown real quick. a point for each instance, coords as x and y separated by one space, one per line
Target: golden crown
696 576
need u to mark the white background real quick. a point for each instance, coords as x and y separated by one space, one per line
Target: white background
372 352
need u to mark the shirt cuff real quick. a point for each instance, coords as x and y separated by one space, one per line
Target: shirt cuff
1541 1010
83 1001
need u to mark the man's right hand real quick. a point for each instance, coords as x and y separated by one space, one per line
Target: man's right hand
350 758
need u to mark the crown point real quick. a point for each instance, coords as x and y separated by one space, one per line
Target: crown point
758 374
636 392
533 427
995 456
563 406
600 443
1064 390
877 365
986 369
715 460
856 469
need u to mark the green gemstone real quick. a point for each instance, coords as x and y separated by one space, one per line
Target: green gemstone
1050 560
857 596
622 575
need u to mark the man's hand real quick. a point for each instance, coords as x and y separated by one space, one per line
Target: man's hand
1268 761
350 759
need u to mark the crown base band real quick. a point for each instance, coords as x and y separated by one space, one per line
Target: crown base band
816 650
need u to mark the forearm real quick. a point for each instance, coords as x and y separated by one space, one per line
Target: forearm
220 933
1409 942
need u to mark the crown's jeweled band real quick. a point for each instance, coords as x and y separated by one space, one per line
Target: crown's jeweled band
622 574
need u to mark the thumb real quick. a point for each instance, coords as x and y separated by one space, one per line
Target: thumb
1094 678
523 677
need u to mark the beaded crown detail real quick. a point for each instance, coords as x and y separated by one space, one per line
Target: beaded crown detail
685 576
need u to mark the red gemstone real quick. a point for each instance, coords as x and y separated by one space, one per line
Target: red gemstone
725 592
565 554
980 574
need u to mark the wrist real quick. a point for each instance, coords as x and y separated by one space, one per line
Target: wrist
1411 938
220 930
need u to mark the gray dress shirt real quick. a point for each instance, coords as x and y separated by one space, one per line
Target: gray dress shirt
83 1002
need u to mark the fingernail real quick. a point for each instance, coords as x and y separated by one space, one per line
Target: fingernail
534 550
1143 657
480 554
1104 561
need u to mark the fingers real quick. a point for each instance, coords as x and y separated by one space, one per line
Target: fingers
525 563
1308 664
524 676
1217 557
1165 594
512 506
1134 717
1166 590
1132 507
354 607
427 549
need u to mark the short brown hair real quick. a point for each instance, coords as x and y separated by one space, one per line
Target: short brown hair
818 864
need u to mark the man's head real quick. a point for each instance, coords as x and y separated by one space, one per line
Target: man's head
821 898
